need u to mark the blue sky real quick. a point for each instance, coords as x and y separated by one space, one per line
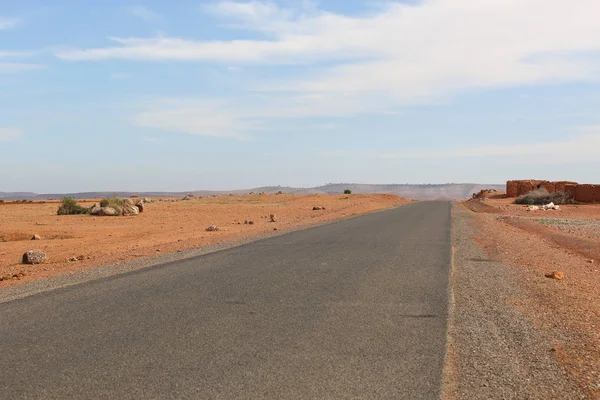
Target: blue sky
162 95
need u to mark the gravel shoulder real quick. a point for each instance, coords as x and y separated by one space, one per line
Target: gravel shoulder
495 351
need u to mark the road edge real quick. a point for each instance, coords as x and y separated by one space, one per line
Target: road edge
119 268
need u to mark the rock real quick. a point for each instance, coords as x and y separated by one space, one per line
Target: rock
140 205
127 202
213 228
188 197
34 257
146 200
556 275
130 209
247 222
36 237
590 261
95 210
109 212
275 229
273 218
318 208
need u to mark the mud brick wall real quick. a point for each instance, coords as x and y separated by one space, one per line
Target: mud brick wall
571 188
549 186
518 188
512 188
587 193
561 185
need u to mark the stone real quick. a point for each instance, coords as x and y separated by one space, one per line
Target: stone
95 210
34 257
140 205
109 212
273 218
556 275
318 208
213 228
36 237
130 209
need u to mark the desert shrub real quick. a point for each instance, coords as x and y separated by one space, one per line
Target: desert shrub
541 196
347 191
1 201
69 206
115 202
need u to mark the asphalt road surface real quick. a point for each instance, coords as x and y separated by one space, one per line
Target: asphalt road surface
355 309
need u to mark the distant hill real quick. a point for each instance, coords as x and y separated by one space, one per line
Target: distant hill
451 191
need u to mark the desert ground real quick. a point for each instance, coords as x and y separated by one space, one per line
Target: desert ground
533 244
74 242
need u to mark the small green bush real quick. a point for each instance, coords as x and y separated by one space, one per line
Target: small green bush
541 197
69 206
115 202
347 191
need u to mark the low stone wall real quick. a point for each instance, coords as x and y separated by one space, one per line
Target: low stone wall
583 193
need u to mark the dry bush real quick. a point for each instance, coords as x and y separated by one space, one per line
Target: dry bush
541 196
69 206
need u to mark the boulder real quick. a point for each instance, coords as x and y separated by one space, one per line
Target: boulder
36 237
34 257
140 205
127 202
130 209
109 212
147 200
95 210
213 228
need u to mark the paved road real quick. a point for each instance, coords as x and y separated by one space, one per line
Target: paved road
355 309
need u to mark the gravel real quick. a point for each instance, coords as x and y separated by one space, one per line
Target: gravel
494 352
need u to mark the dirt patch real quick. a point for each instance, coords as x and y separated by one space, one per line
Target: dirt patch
165 226
568 310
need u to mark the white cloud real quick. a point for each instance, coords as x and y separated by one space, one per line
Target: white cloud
146 14
10 134
570 149
394 55
12 67
6 23
204 118
408 53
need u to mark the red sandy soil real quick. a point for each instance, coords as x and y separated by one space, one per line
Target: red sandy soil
164 226
538 243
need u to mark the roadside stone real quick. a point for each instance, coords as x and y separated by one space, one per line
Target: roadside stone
36 237
140 205
273 218
130 209
34 257
95 210
318 208
213 228
109 212
556 275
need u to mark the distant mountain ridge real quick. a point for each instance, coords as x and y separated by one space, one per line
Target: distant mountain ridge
451 191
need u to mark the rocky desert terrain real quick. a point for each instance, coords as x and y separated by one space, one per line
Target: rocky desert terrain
535 248
76 242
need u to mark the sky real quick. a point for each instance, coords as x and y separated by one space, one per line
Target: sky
189 95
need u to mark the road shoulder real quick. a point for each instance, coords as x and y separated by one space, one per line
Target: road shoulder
494 350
